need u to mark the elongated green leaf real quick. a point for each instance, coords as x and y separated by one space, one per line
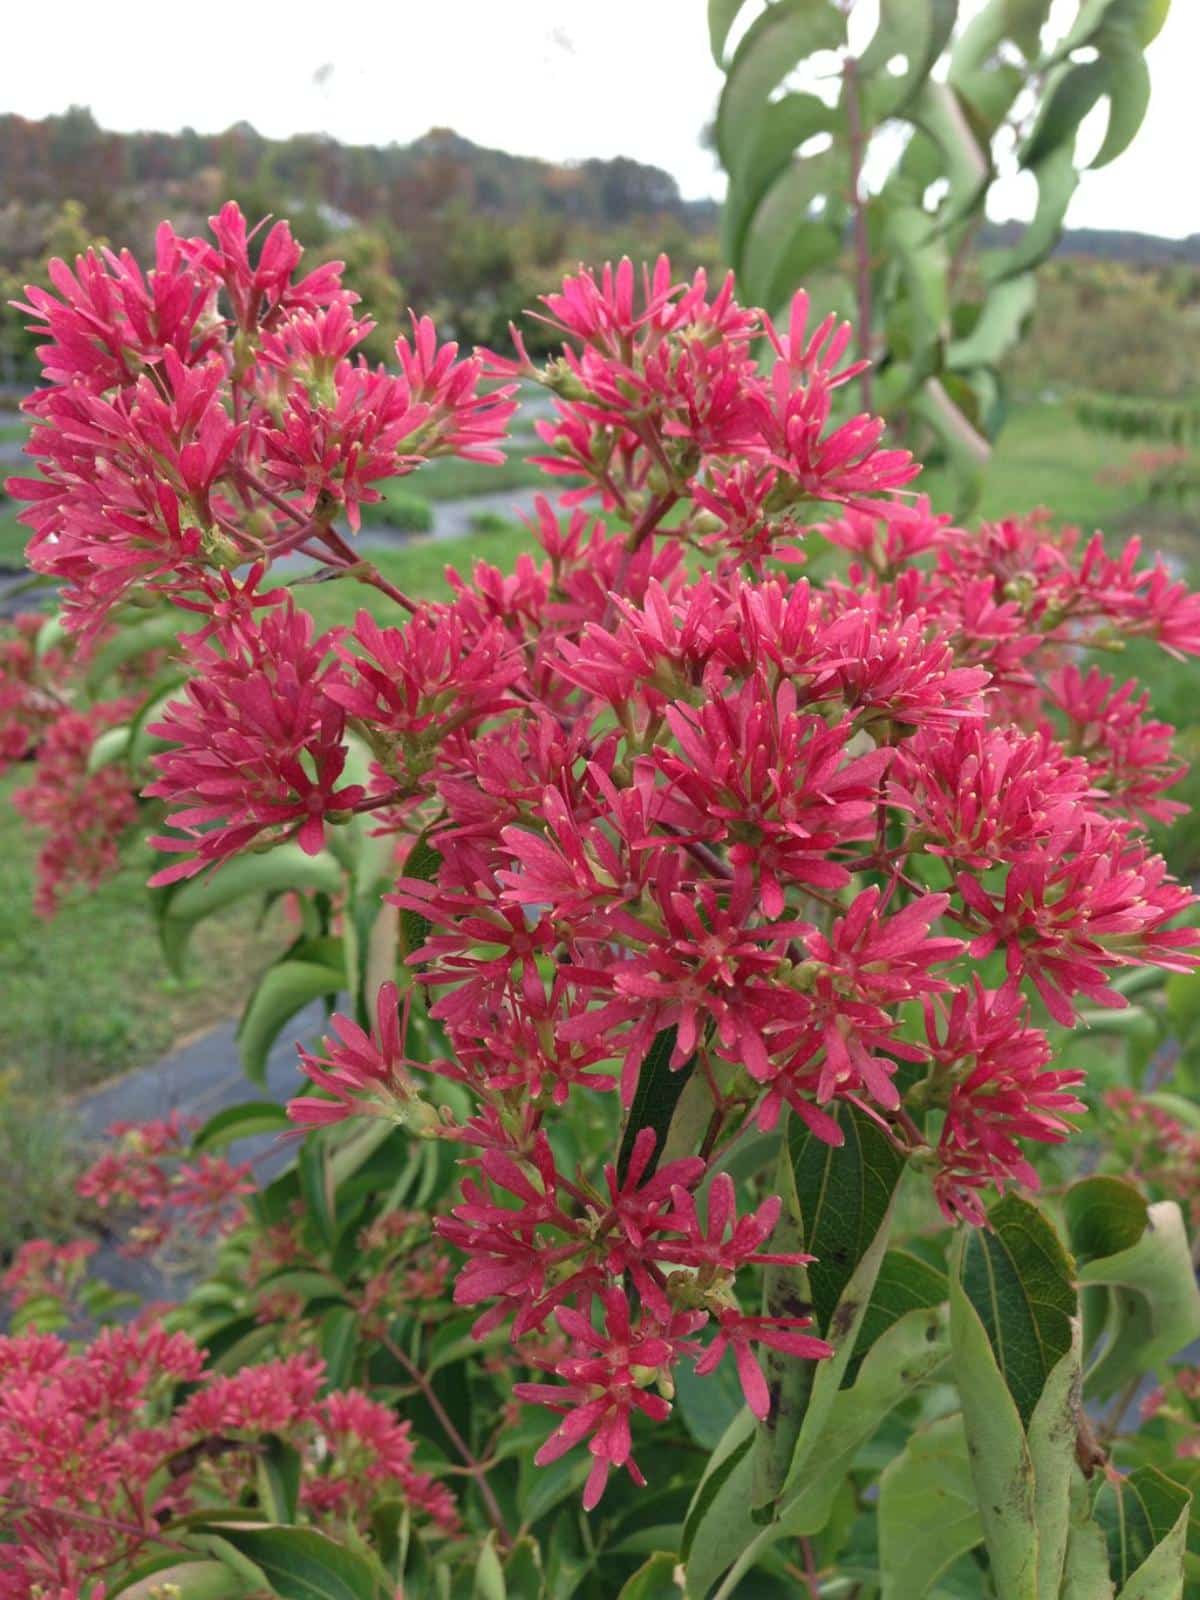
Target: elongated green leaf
1138 1514
928 1517
905 1283
768 152
782 36
1085 1573
285 867
339 1342
1004 313
722 14
659 1087
914 31
241 1122
278 1479
1154 1304
300 1563
1000 1462
282 991
1052 1433
1018 1278
422 862
720 1505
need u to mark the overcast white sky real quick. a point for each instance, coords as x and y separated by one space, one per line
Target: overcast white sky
562 79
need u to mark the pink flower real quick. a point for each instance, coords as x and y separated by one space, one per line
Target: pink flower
257 746
737 1332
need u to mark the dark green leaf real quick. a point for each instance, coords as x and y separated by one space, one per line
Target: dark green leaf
1018 1277
843 1195
300 1563
654 1100
1138 1513
279 1479
339 1341
905 1283
422 862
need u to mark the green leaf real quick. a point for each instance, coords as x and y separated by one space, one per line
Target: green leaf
130 640
489 1581
1104 1215
194 1580
1085 1573
339 1342
523 1570
654 1580
928 1517
909 1352
966 448
1140 1513
722 14
905 1283
281 992
300 1563
1154 1303
422 862
278 1467
843 1194
1018 1278
241 1122
767 154
285 867
1000 1463
1004 313
719 1508
918 31
786 33
1052 1434
654 1100
108 748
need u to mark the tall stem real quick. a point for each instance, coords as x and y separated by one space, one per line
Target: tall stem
862 248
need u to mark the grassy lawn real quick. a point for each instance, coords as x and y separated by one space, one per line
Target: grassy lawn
88 994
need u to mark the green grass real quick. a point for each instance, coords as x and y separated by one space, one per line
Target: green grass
451 479
87 994
13 538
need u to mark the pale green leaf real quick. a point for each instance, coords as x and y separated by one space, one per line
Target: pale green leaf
927 1512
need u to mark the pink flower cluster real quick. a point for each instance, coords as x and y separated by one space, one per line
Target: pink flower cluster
99 1455
170 1195
813 845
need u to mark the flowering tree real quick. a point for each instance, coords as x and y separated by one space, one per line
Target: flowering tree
710 942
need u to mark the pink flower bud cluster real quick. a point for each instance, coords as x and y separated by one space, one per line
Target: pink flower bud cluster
817 846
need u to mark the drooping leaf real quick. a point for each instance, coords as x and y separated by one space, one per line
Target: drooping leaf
241 1122
928 1516
782 36
278 1469
286 867
339 1343
722 14
489 1581
281 992
1154 1303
